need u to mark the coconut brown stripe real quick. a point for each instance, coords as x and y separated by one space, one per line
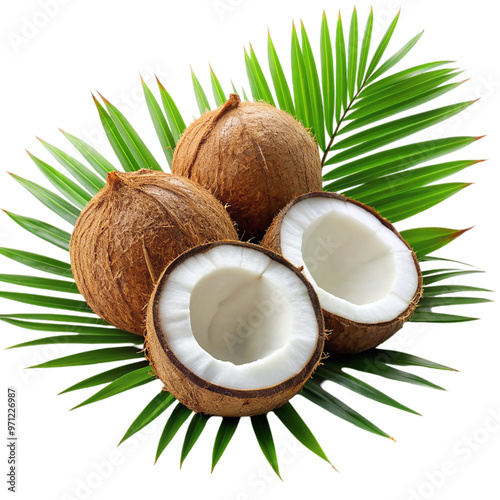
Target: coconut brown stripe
130 231
251 156
202 396
343 335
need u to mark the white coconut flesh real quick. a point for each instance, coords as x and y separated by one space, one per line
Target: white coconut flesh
361 270
237 318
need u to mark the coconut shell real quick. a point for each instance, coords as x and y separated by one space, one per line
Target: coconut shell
251 156
202 396
130 231
343 335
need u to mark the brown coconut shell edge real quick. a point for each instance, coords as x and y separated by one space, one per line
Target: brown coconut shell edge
202 396
344 336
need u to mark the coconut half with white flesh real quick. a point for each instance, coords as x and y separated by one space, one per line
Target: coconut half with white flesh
233 329
367 277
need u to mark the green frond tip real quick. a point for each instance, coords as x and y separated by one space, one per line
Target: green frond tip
105 377
95 356
124 383
338 376
294 423
37 261
51 200
199 93
139 151
426 240
195 428
224 434
264 437
152 411
178 416
47 232
317 395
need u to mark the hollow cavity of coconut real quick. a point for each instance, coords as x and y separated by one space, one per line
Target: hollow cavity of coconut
233 329
253 157
367 277
130 231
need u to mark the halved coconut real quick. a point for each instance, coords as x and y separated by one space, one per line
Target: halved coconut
367 277
233 329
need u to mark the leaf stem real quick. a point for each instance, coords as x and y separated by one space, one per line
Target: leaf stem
335 132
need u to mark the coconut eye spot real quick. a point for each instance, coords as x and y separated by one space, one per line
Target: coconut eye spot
239 316
346 258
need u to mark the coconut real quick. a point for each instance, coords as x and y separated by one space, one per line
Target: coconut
233 329
251 156
367 277
130 231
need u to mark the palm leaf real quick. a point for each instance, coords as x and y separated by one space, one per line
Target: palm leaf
37 261
393 160
172 113
142 155
46 301
106 355
280 83
352 55
315 90
106 376
327 75
341 72
432 291
94 158
124 383
316 394
43 283
195 428
301 92
379 52
79 339
352 383
85 177
377 367
201 97
396 208
398 358
434 317
259 78
73 192
179 415
365 49
393 60
51 200
294 423
224 434
264 437
64 318
152 411
425 240
160 123
81 329
397 184
218 91
122 151
45 231
428 302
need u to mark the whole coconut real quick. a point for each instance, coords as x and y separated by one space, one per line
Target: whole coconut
253 157
130 231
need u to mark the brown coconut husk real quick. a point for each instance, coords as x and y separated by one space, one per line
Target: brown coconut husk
251 156
130 231
202 396
343 335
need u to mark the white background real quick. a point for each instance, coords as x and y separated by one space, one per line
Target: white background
46 83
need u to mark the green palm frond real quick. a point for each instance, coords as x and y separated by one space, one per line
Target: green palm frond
342 96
